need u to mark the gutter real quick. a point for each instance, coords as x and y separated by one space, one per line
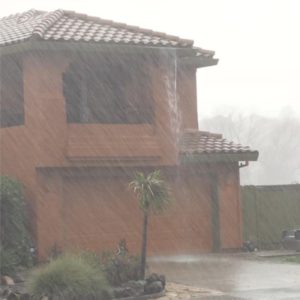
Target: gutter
219 157
199 61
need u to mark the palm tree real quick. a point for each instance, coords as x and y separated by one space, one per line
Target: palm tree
153 196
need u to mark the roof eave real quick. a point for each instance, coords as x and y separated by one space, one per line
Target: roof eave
219 157
199 61
37 43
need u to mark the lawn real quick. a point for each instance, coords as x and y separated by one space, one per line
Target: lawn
291 259
294 259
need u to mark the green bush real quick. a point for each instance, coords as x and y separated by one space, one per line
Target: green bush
120 267
9 261
69 277
15 238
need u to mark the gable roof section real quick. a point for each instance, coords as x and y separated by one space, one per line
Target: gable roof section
60 25
205 146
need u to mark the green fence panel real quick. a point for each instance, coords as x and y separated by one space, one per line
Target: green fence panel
268 210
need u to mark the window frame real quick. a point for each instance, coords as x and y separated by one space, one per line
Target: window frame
12 97
79 69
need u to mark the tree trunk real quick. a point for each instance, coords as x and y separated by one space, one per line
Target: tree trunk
144 246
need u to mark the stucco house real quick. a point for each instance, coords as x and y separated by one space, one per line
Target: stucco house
85 102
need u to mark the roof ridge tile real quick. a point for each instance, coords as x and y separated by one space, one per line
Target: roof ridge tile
48 20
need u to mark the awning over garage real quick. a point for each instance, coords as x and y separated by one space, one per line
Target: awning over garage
203 146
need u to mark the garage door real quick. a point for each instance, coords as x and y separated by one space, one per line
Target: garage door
98 212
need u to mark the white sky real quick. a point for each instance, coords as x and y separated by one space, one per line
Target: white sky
257 42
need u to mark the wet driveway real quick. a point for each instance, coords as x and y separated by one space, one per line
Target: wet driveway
238 276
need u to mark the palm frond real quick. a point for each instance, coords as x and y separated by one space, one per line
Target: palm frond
151 190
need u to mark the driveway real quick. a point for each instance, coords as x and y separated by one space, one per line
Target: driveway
238 276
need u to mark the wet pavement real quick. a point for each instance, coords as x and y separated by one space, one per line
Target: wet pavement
237 276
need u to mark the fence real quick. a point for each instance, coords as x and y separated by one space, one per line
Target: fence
268 210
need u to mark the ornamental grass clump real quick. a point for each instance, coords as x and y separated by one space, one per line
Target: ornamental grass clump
69 277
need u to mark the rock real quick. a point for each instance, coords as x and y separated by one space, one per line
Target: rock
18 278
137 286
123 292
153 287
162 279
152 278
5 293
135 283
13 296
155 277
25 297
6 280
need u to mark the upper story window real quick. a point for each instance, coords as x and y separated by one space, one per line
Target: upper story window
11 91
107 88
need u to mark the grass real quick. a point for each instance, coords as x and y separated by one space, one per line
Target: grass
70 277
291 259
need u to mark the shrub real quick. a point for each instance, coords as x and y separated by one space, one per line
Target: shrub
15 238
8 261
69 277
120 267
92 258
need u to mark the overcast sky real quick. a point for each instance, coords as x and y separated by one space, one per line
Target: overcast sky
257 42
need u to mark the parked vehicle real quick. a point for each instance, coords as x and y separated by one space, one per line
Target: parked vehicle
290 239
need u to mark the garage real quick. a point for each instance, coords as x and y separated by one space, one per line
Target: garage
99 211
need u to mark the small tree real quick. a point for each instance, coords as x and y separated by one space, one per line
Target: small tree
153 196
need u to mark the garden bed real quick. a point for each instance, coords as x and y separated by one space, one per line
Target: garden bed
82 276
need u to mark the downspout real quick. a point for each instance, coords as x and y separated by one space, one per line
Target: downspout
215 213
240 209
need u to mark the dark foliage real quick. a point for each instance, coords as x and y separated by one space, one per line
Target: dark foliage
15 239
120 267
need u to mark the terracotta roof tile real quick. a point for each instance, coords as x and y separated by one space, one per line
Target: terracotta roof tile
65 26
202 142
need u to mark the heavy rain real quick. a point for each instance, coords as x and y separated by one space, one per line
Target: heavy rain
150 150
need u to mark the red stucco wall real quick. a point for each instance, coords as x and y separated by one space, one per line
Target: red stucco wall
94 211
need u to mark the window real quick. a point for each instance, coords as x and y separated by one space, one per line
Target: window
11 91
108 89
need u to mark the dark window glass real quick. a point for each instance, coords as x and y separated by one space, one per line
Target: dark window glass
106 90
11 91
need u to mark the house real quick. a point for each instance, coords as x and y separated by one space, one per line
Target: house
86 102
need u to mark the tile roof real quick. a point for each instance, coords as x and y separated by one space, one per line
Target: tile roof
60 25
202 142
